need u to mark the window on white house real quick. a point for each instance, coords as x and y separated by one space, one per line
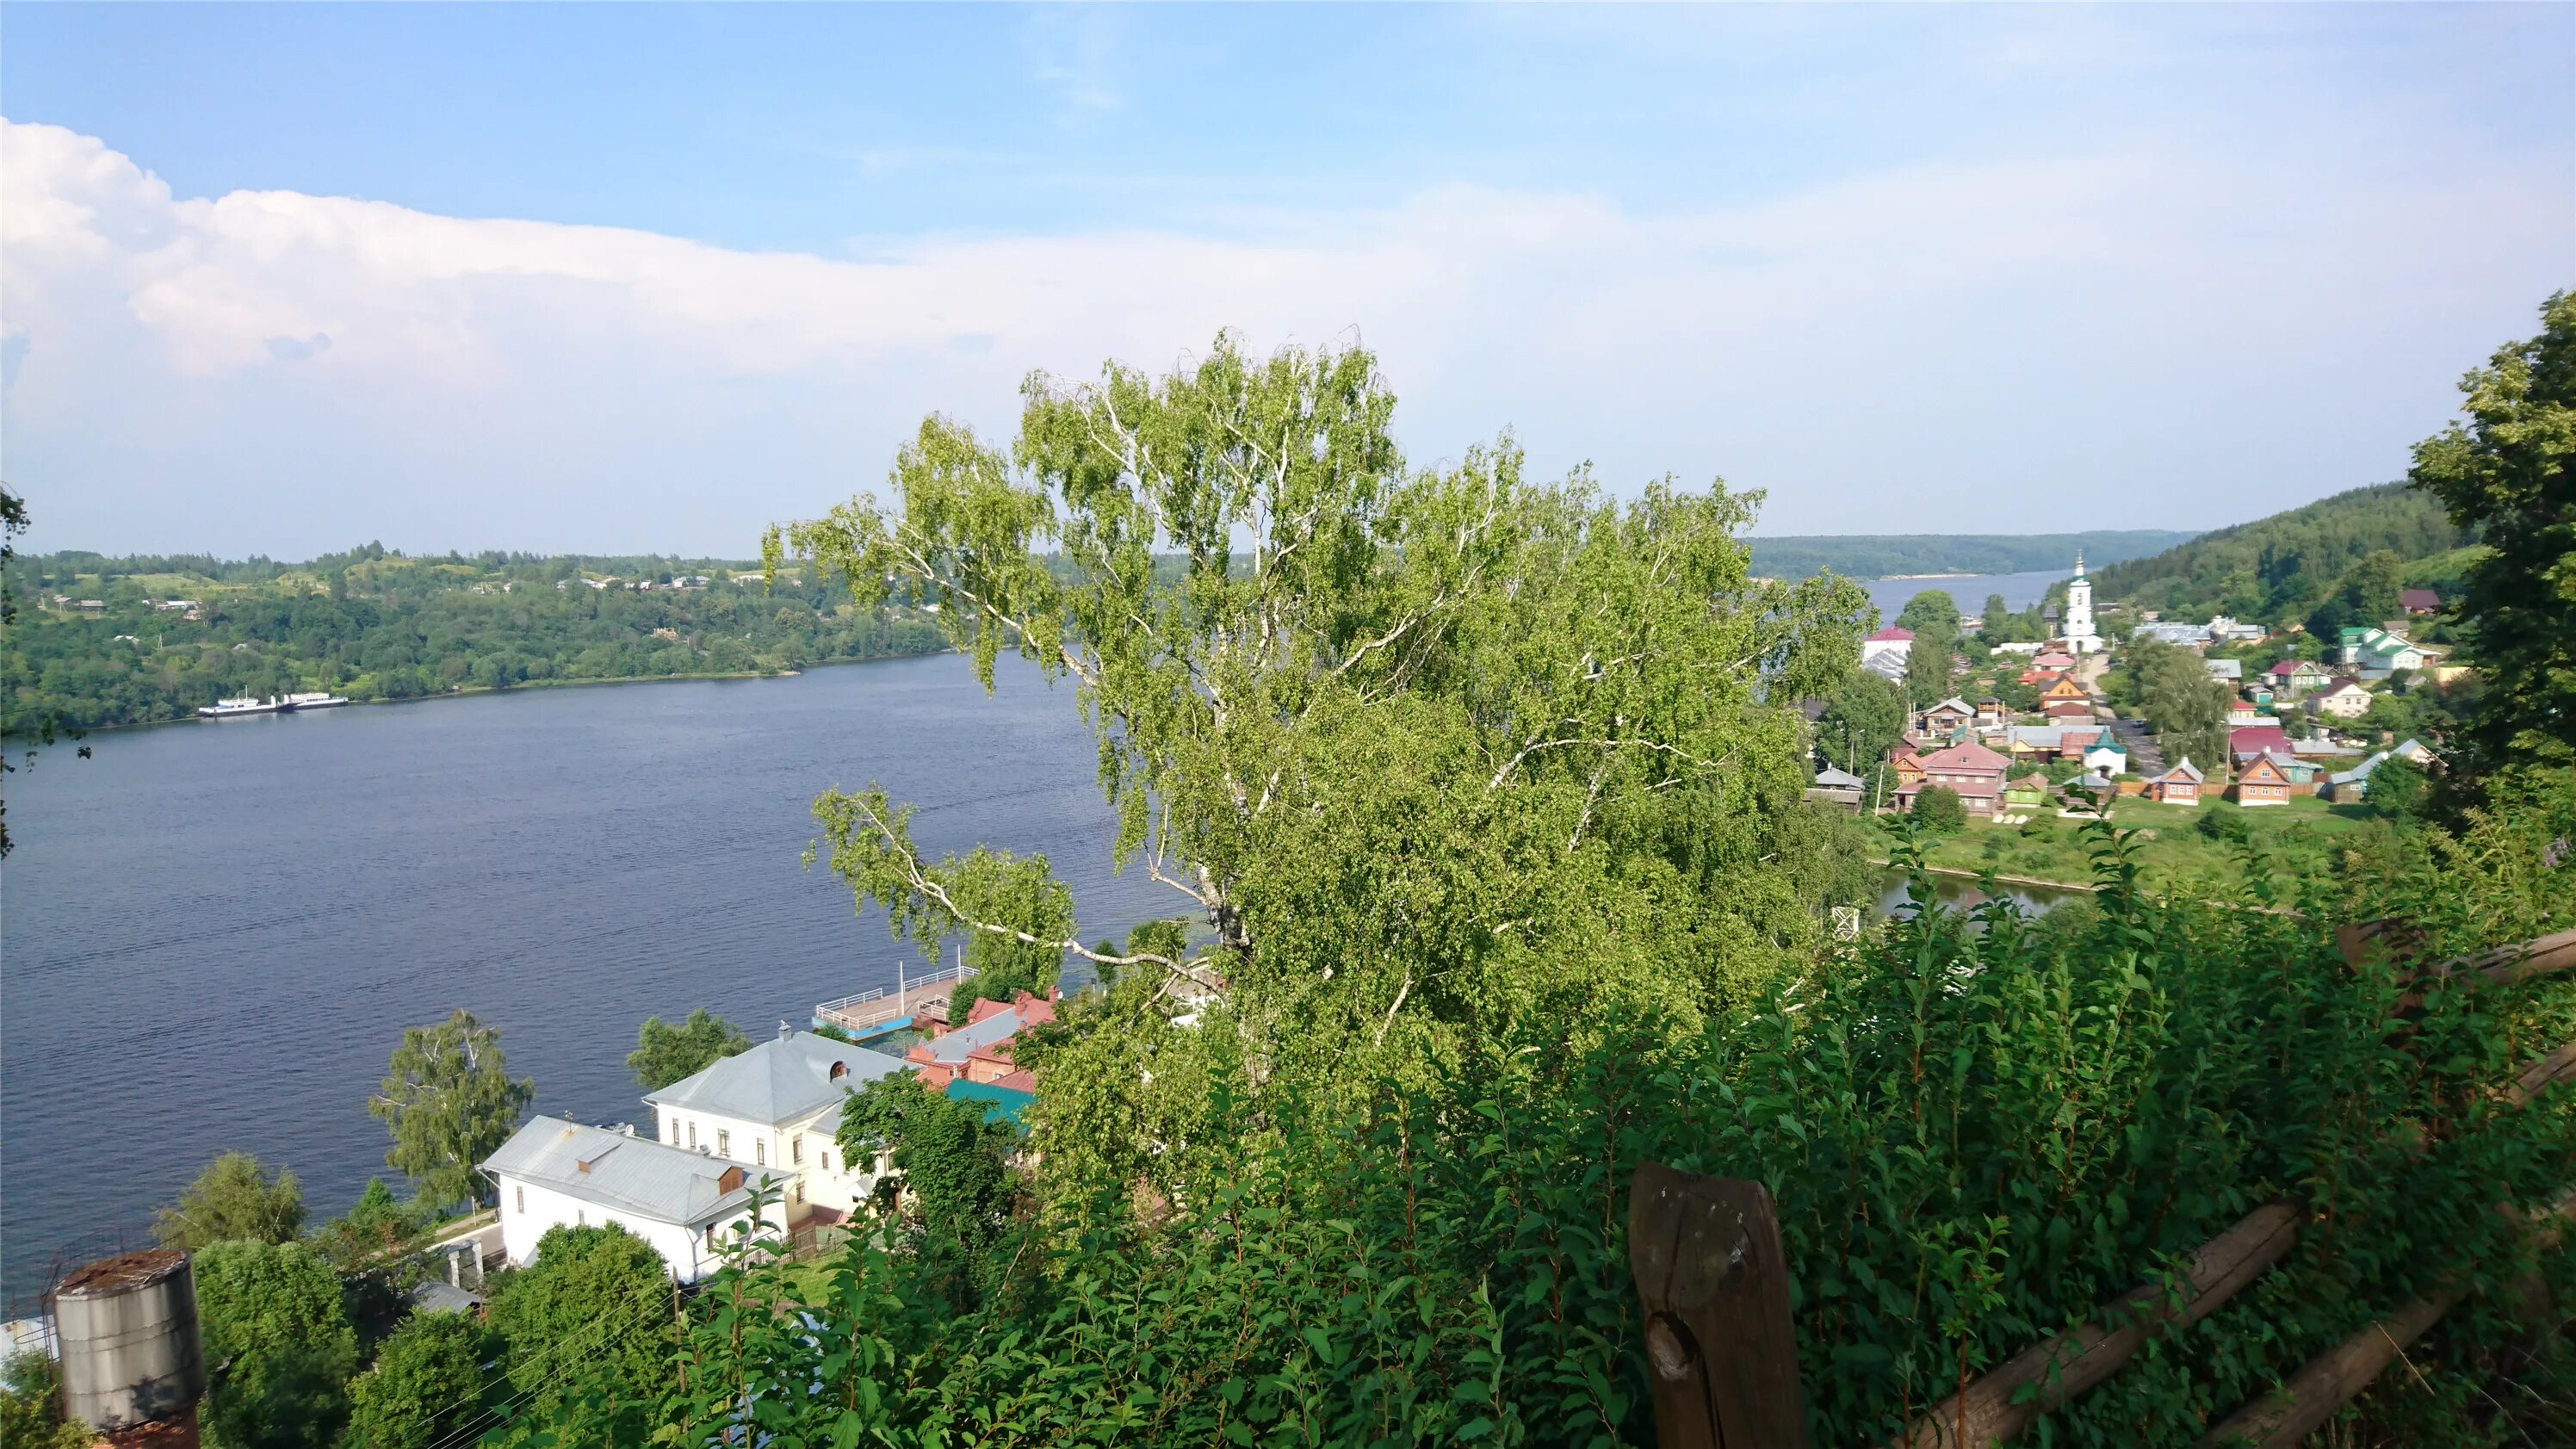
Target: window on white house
581 1217
760 1152
827 1159
521 1194
796 1151
724 1143
711 1237
693 1135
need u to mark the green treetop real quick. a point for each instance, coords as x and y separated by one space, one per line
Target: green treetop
665 1053
273 1312
1424 747
2505 473
233 1199
448 1101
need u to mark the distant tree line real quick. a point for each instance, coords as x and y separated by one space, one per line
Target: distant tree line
374 625
1867 556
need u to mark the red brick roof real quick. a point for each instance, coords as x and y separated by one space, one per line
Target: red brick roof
2255 739
1891 635
1966 758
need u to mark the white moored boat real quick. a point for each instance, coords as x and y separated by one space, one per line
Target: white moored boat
234 708
314 701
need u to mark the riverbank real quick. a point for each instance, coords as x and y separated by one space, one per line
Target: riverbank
470 691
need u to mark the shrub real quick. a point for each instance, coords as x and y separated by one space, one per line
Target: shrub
1939 809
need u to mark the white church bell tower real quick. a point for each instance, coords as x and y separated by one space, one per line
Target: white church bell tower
2080 637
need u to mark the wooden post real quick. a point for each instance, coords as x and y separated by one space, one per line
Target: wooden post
1721 1353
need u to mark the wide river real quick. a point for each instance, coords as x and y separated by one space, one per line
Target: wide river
215 932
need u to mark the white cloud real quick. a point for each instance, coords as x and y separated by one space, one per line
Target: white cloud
1944 347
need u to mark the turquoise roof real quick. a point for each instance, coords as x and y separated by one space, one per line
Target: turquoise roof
1004 1104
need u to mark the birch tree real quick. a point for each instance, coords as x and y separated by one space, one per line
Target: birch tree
449 1102
1379 726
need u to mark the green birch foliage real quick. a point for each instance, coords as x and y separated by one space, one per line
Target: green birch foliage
449 1102
2505 473
1425 747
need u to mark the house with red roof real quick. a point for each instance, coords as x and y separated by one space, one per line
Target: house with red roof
1975 772
980 1051
2419 601
2244 744
1885 652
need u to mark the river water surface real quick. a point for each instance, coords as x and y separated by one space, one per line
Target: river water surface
215 932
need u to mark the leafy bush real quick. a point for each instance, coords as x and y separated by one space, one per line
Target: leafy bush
1939 810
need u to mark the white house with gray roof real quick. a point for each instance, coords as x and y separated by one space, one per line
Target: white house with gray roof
777 1107
688 1205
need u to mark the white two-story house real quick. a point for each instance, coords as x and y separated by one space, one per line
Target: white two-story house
689 1206
778 1108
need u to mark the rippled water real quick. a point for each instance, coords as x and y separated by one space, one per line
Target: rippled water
215 933
1968 591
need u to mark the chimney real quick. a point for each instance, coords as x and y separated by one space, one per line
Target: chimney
785 1030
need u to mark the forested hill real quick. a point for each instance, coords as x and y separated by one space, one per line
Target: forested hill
2356 546
1892 555
372 624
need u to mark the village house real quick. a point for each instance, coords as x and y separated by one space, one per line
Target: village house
778 1107
2064 689
2417 602
2302 774
2379 651
2261 782
2027 793
1948 717
2106 757
2343 699
2177 786
1884 653
1837 787
1906 764
980 1051
2063 710
2246 743
688 1205
1972 770
2354 784
1991 712
2298 676
2231 670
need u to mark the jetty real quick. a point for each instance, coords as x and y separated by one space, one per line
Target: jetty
891 1008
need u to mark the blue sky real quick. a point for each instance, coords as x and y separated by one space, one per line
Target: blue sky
603 277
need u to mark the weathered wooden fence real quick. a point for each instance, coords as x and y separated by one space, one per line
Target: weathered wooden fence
1722 1353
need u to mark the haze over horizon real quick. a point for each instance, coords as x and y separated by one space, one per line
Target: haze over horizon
608 280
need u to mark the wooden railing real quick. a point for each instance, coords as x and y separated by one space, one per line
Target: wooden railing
1722 1353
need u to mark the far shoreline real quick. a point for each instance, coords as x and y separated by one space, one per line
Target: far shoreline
479 690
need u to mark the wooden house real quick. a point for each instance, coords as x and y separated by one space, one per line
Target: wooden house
2177 786
2262 782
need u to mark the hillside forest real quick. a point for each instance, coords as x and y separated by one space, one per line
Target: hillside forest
372 624
2337 561
1896 555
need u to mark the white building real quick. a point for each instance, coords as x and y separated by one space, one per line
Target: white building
2080 638
778 1107
1884 653
2343 699
688 1205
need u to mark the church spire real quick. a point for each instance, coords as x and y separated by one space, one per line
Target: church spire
2079 563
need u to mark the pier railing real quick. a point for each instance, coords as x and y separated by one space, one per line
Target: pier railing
886 1003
